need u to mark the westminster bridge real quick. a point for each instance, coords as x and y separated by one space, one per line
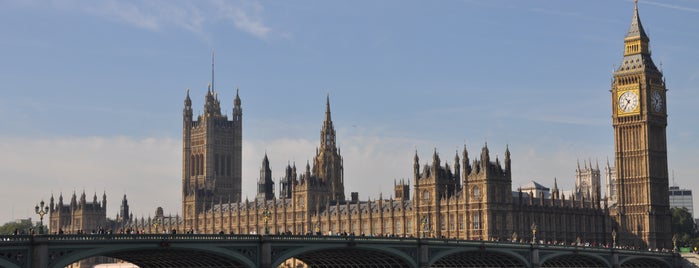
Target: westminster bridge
209 250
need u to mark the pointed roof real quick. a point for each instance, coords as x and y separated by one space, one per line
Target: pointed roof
636 28
265 161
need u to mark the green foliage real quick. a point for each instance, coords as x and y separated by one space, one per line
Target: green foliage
23 226
683 227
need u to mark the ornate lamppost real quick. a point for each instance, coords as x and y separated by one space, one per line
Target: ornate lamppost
265 218
674 243
534 226
41 210
613 238
156 223
423 225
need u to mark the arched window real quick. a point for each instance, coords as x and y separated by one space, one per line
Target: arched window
426 195
476 221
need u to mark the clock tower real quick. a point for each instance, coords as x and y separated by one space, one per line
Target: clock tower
639 116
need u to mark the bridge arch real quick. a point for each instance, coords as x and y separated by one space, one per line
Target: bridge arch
643 262
347 256
154 255
569 259
478 258
8 264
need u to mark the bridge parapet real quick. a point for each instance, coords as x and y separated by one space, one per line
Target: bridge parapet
268 250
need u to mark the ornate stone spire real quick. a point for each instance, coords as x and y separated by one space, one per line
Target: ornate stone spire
636 28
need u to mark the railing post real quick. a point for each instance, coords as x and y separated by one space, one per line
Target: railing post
265 255
535 256
423 258
40 252
615 258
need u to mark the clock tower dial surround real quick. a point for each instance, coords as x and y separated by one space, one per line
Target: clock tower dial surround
642 215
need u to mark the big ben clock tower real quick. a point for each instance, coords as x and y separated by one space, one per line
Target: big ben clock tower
639 115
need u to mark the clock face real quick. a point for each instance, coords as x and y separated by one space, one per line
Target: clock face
656 100
628 101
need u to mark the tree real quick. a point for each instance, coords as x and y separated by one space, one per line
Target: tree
21 226
683 226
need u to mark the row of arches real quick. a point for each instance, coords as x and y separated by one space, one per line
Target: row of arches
222 165
360 256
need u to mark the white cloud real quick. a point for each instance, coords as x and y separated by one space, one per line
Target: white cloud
670 6
148 170
155 15
246 16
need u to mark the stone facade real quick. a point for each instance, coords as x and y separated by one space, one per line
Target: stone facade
78 216
472 199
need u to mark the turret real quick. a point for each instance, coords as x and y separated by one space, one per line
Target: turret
265 185
466 164
485 156
416 166
508 164
457 167
237 109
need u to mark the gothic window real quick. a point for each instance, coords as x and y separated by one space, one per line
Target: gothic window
476 221
461 222
409 227
451 223
398 230
228 165
192 165
442 222
216 164
426 195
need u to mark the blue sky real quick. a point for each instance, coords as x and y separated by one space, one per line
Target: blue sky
92 91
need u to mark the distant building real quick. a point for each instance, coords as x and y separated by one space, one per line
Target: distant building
681 198
536 190
78 217
587 182
610 180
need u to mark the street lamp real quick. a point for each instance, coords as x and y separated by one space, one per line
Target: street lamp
156 222
41 210
614 238
423 225
674 242
265 217
534 226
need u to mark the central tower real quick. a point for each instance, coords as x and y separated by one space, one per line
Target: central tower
639 116
211 155
327 164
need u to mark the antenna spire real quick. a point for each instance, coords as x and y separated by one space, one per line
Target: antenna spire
212 70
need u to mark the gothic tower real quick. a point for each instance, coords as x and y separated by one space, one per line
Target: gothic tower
488 196
211 155
639 119
265 185
327 164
